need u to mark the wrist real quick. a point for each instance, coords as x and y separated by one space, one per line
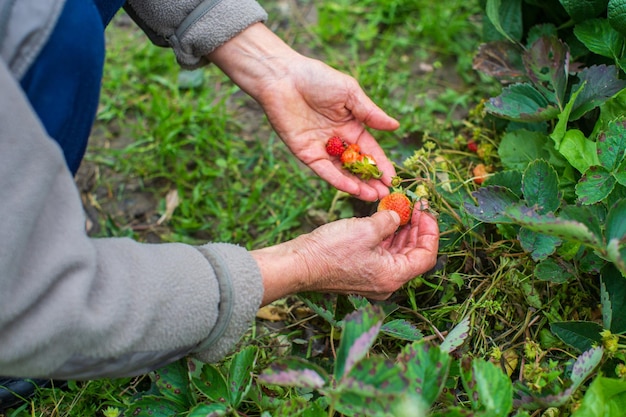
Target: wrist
284 271
254 59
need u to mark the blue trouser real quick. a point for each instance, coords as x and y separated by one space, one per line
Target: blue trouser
63 84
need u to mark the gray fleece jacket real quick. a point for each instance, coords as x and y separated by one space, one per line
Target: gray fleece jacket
77 307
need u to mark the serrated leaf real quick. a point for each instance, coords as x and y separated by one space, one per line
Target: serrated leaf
510 178
595 185
613 292
521 103
599 83
359 332
374 377
499 59
492 203
549 224
488 388
294 372
426 369
540 186
581 335
456 336
322 304
520 147
585 364
240 375
539 245
591 216
547 63
211 383
173 382
611 145
584 9
402 329
551 271
600 38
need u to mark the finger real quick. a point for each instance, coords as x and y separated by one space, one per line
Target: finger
335 177
386 223
364 109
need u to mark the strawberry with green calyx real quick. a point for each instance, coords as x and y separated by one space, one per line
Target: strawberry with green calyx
335 146
365 167
398 202
350 155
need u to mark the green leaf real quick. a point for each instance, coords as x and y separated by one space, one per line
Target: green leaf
539 245
599 83
521 103
211 383
240 375
549 224
620 173
613 294
456 337
558 133
208 410
322 304
540 185
520 147
611 145
547 63
600 38
294 372
488 388
511 179
153 406
595 185
579 151
605 397
402 329
492 203
584 9
173 382
581 335
591 216
551 271
426 368
585 364
359 332
371 387
506 14
616 222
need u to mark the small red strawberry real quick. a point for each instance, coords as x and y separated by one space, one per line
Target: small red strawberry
351 154
398 202
335 146
472 146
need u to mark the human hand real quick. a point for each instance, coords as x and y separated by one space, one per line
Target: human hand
366 256
307 102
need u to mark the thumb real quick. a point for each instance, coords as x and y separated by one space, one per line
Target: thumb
370 114
386 222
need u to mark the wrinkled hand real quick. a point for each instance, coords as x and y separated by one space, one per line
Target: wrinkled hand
306 101
314 102
365 256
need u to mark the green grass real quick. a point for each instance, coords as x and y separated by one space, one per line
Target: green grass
237 182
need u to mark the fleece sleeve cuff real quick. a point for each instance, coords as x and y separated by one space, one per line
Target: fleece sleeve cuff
194 29
241 293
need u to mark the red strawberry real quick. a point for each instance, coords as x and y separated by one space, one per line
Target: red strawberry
398 202
351 154
472 146
335 146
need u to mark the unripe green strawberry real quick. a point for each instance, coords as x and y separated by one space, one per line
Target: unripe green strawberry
398 202
335 146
